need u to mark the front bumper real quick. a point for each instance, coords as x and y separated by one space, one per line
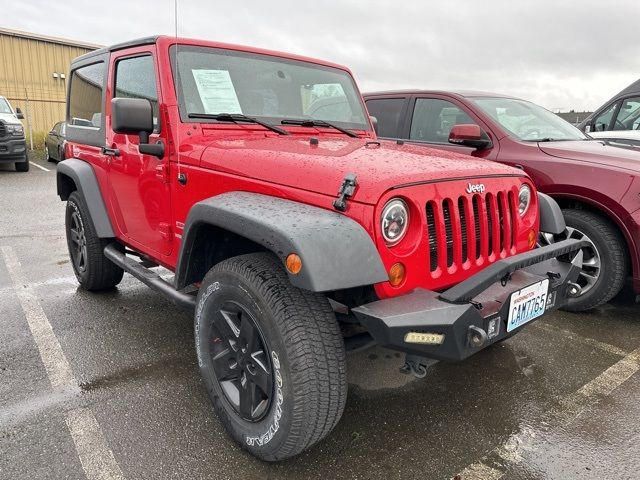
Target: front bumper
473 314
13 149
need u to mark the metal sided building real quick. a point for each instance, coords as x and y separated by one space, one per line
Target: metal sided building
33 76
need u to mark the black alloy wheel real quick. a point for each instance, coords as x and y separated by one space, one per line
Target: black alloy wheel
79 241
240 361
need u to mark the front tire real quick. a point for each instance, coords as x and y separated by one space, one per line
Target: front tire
93 270
23 166
271 356
605 264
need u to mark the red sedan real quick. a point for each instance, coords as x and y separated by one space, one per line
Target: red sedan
596 184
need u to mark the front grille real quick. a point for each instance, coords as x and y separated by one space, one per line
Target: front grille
3 130
470 228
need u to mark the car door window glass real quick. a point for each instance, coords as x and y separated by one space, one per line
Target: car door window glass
388 113
629 115
602 121
136 78
433 119
85 96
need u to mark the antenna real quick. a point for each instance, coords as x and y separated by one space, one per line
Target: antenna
181 178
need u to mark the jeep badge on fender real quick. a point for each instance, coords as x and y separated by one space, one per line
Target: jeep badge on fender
208 170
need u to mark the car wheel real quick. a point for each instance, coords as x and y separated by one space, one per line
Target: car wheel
271 356
93 270
47 156
23 166
605 262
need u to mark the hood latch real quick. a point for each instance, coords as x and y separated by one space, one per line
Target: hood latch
347 189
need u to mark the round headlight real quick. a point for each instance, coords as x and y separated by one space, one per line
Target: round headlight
394 221
524 199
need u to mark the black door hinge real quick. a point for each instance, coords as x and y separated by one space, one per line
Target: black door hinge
347 189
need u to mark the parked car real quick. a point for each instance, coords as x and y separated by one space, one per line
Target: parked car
55 142
618 120
282 226
13 146
596 185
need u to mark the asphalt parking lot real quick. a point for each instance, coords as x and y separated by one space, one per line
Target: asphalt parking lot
109 383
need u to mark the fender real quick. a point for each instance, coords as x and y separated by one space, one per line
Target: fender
84 178
551 218
336 251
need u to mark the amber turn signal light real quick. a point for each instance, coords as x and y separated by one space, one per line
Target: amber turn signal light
396 274
531 239
294 263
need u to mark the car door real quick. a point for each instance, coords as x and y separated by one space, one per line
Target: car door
140 194
430 119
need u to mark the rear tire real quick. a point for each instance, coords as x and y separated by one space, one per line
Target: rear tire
93 270
605 265
294 374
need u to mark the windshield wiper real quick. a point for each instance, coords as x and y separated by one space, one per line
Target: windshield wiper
547 139
236 118
303 122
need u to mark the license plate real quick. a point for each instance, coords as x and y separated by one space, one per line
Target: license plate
527 304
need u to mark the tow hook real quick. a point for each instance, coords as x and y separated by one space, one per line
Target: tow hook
416 366
573 289
477 337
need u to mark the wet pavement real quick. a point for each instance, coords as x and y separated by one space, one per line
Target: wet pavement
560 400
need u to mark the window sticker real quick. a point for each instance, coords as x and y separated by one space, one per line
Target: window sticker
216 91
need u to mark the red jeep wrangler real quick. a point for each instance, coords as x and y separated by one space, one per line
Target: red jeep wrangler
293 233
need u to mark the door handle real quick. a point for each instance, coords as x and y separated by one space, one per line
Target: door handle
111 152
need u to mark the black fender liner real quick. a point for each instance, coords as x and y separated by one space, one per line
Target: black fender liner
84 178
336 251
551 218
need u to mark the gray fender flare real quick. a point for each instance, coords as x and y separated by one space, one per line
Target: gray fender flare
84 178
551 218
336 251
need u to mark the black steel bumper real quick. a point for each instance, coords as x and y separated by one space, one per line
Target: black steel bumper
473 314
13 150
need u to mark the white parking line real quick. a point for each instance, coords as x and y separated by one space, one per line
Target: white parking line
96 458
510 452
40 167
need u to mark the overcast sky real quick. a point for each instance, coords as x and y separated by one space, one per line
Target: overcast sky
560 54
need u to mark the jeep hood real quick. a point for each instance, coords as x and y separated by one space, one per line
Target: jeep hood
594 151
9 118
321 168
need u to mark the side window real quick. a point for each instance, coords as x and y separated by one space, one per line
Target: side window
136 78
85 96
433 119
388 112
602 121
56 128
629 115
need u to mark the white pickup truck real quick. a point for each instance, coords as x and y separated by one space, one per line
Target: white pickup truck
13 147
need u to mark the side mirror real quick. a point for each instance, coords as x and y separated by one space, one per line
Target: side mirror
135 116
374 122
19 114
469 136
